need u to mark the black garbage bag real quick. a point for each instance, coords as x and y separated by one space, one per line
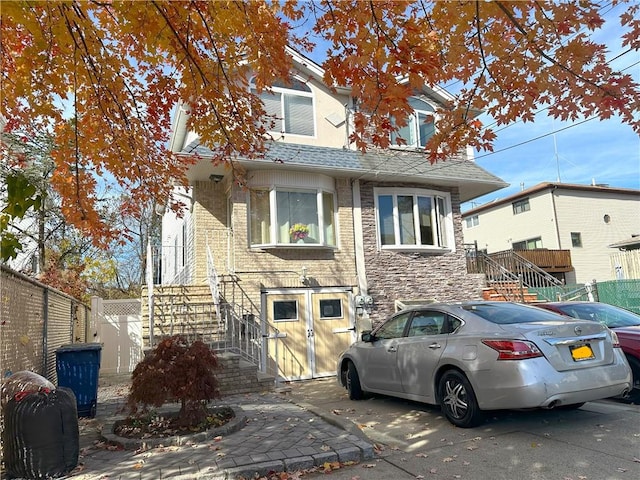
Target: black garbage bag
23 381
41 438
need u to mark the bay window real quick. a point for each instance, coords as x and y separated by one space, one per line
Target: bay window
292 217
415 219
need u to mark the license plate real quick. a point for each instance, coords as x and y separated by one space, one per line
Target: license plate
583 352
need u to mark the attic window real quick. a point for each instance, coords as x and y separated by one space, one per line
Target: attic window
419 128
290 106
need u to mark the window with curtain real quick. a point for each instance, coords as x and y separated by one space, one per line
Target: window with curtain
292 217
419 128
418 219
291 107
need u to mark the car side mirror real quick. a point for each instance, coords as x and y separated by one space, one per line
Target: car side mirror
367 337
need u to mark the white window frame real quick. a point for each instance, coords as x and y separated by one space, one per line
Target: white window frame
443 221
413 123
283 91
472 221
274 225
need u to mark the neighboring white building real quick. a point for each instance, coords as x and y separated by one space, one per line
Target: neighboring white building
583 219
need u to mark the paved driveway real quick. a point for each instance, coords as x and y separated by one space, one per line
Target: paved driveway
601 440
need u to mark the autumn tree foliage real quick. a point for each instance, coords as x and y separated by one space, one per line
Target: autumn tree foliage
117 68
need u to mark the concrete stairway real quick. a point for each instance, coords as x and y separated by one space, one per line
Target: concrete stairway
236 375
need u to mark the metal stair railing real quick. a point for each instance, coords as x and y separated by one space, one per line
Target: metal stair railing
534 276
529 275
249 338
245 333
505 283
588 292
177 310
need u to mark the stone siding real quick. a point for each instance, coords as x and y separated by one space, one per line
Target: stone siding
394 275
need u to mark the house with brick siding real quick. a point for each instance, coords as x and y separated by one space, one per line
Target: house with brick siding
323 241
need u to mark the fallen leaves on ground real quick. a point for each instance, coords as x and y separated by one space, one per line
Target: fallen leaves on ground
325 468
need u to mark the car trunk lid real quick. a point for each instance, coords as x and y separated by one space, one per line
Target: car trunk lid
570 345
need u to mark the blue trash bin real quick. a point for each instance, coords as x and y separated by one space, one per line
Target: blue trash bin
77 366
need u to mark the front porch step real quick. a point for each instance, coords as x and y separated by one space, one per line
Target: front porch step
493 294
236 376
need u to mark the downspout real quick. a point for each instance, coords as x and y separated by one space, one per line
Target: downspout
358 238
45 332
555 216
346 123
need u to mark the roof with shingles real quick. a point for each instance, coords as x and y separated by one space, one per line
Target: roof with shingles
381 165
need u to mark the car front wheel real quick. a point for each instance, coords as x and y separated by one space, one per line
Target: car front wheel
353 383
458 401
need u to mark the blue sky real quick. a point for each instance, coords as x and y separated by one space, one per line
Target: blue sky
581 152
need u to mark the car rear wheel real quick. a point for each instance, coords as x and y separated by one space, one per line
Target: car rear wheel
353 383
634 395
458 401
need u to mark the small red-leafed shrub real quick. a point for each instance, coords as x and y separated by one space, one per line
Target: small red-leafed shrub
176 371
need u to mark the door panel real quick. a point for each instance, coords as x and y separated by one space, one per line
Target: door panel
314 326
417 359
381 370
333 330
421 351
288 313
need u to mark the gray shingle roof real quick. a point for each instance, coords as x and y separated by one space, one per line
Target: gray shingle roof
382 165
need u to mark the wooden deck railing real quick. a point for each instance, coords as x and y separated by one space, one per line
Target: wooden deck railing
548 260
552 261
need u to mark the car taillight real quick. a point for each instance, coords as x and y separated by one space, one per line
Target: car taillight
614 339
513 349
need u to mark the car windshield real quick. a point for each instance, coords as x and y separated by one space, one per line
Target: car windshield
505 313
608 315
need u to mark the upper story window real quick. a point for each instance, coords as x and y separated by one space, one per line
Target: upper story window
414 219
290 106
284 216
420 127
521 206
472 221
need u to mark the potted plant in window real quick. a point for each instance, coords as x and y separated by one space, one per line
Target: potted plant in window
298 232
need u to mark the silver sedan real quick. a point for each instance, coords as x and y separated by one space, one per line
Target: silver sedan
475 356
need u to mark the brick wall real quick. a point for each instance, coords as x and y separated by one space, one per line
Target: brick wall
269 268
237 376
393 275
210 220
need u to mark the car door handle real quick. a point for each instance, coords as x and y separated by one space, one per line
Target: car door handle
392 349
434 346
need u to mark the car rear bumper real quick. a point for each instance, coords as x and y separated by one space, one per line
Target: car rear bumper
533 383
